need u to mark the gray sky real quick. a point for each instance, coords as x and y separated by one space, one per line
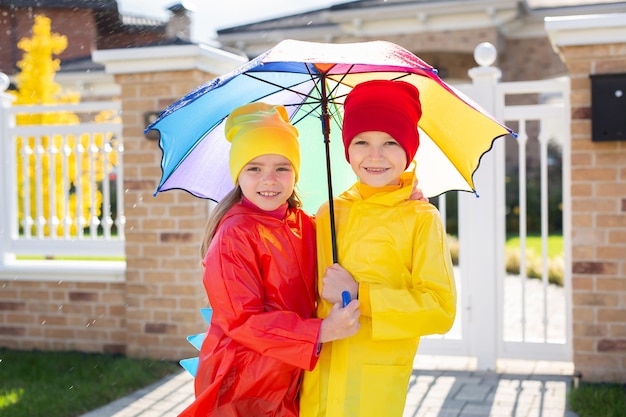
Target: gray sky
210 15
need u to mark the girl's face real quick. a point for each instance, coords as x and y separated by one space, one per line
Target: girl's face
267 181
377 158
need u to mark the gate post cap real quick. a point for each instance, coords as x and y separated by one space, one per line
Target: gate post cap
485 54
4 82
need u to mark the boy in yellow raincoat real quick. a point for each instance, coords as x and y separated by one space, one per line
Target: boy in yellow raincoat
393 257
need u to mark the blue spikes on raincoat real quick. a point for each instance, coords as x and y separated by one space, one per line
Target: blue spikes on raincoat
191 364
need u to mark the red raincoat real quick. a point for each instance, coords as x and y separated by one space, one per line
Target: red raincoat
260 278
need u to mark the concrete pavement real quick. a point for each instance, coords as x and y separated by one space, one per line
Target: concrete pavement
439 387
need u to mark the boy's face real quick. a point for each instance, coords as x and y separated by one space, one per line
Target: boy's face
267 181
377 158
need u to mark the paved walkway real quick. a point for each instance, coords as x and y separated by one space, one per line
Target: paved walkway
439 387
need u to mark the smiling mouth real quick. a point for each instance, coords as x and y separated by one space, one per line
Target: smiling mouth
268 193
376 170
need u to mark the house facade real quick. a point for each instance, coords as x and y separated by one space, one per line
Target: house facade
89 25
153 305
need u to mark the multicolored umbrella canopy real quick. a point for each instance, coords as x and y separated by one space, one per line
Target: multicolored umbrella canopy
312 80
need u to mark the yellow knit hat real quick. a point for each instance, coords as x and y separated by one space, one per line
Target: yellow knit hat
257 129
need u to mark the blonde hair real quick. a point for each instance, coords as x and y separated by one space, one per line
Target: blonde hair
229 200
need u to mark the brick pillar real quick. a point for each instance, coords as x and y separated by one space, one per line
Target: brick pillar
595 45
164 290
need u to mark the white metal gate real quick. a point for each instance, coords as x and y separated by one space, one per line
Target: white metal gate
500 315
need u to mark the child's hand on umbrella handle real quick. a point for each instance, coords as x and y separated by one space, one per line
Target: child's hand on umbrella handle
341 322
335 281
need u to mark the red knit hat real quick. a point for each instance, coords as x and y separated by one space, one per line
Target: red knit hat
392 107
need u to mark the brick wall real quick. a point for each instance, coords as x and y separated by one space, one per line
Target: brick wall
59 315
78 24
452 52
529 59
163 233
157 307
598 186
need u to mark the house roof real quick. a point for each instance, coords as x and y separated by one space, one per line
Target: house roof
320 17
545 4
349 20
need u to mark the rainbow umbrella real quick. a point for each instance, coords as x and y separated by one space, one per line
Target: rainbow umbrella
312 80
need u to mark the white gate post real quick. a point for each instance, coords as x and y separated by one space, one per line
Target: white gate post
7 172
481 226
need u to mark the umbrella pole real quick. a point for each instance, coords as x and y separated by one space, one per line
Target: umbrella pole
325 118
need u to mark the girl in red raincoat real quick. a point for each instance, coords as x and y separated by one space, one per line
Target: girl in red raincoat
259 275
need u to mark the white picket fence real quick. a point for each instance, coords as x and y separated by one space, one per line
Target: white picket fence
61 185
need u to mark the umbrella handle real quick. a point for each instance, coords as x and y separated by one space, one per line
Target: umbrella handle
345 298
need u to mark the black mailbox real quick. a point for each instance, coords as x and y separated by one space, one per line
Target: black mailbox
608 107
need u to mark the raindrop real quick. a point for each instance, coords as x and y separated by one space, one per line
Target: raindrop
43 322
60 282
60 307
71 387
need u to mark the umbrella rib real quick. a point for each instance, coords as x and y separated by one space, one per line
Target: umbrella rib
282 87
308 113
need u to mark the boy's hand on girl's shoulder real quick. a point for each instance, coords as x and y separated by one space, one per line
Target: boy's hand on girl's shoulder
337 280
417 193
341 322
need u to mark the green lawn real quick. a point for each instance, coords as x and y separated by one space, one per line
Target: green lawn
555 244
598 400
68 384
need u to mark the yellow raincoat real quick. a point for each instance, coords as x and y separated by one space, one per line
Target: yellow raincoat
396 250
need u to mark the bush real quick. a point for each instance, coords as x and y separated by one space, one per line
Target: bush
512 259
534 265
